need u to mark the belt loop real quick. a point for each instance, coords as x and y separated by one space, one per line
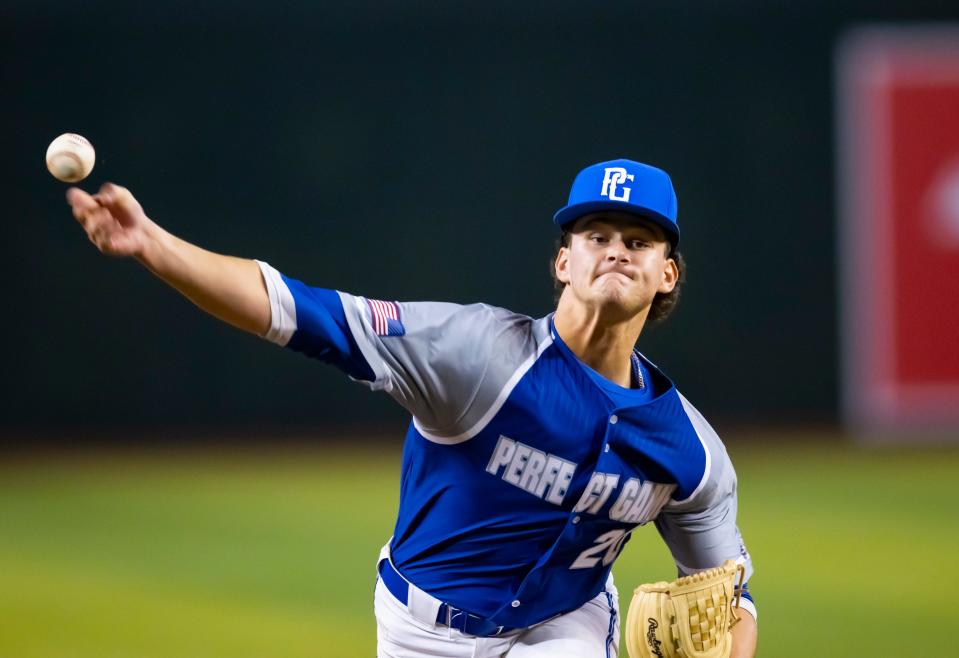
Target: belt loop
419 604
423 606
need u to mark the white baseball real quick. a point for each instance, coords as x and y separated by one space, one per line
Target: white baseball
70 157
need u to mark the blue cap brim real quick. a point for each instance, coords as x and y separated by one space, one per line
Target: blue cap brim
575 211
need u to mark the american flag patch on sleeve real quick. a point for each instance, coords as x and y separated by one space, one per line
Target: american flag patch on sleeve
386 318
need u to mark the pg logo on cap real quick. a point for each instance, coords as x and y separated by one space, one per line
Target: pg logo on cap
616 176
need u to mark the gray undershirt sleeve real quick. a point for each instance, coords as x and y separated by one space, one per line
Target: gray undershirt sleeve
450 365
701 531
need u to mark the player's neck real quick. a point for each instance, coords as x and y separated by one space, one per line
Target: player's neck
600 340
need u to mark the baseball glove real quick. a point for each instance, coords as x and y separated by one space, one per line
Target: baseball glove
687 618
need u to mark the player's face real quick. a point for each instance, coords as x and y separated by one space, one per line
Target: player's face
616 262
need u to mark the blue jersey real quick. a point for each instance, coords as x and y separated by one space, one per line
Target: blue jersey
524 471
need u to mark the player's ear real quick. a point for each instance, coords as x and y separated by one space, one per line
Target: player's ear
562 265
670 276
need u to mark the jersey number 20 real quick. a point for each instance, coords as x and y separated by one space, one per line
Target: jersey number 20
610 542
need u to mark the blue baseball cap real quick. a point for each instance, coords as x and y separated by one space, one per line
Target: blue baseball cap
627 186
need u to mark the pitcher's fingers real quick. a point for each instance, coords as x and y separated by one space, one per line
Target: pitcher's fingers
82 204
100 220
114 196
100 241
95 218
100 238
77 198
102 228
107 190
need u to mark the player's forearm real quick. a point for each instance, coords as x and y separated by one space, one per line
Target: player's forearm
745 634
228 288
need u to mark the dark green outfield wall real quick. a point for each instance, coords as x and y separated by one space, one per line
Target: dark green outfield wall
412 153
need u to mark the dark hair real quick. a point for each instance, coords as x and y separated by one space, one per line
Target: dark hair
663 303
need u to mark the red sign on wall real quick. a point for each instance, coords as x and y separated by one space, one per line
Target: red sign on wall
898 93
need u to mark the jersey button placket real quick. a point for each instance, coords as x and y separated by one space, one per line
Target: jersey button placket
515 603
612 421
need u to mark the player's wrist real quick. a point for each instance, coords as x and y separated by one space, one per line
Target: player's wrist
154 243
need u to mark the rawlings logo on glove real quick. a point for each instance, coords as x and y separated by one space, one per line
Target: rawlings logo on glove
651 640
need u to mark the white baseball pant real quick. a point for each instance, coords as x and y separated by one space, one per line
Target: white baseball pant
591 631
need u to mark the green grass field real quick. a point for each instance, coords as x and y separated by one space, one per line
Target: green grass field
199 554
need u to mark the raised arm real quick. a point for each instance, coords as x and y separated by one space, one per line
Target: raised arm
228 288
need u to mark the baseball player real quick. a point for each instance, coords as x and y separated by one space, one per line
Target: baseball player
536 446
